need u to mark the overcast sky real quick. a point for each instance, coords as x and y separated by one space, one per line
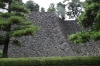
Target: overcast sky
45 3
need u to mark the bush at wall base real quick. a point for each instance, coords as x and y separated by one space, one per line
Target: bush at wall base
0 53
51 61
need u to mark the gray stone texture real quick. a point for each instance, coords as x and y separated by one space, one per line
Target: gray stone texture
51 39
48 41
90 48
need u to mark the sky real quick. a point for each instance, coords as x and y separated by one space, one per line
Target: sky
45 3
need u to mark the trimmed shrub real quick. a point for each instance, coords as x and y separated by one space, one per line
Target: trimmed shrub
0 53
51 61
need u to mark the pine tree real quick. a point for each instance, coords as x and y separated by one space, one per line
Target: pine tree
14 23
90 20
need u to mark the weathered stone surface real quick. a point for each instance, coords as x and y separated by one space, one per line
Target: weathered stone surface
85 49
48 41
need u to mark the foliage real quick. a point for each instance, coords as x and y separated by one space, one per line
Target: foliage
51 8
21 8
14 23
95 35
0 53
17 43
90 20
42 9
32 5
80 37
51 61
61 10
74 8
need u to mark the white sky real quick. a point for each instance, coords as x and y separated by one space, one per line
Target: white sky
45 3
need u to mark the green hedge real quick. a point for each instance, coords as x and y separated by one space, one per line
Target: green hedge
51 61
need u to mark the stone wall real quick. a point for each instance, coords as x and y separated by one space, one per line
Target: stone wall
48 41
51 39
84 49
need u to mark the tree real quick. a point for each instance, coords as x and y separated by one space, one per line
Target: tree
32 5
74 8
90 20
36 7
51 8
61 10
14 23
42 9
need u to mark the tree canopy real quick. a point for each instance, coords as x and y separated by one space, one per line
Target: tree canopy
61 10
90 20
42 9
32 5
74 8
51 8
14 23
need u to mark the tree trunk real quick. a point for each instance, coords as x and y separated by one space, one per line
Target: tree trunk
6 43
7 40
5 49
